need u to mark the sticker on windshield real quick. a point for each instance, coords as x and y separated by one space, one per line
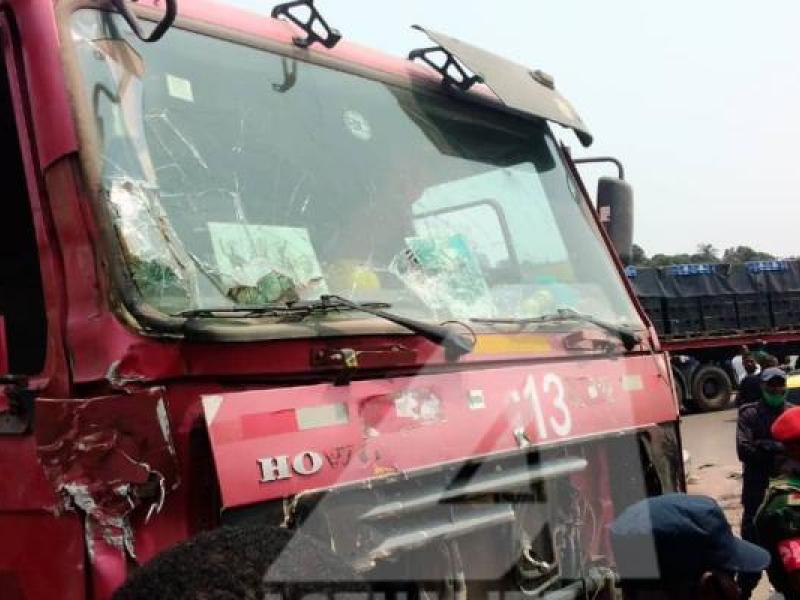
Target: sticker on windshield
180 88
267 263
358 125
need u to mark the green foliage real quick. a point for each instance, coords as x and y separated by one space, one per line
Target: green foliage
705 253
741 254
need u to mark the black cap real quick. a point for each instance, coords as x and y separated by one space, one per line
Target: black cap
680 536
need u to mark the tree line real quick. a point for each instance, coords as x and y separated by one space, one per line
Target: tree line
704 254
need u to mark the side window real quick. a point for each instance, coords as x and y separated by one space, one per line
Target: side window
21 297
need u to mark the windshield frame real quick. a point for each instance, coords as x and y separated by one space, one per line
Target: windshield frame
127 302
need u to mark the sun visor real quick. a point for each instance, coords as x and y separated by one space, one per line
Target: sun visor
519 87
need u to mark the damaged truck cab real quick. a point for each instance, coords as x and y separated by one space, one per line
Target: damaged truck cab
254 273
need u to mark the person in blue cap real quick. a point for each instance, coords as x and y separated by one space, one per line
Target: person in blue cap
759 452
679 546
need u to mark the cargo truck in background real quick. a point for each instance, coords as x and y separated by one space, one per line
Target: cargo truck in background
252 273
704 313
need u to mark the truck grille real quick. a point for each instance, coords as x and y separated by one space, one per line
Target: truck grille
381 520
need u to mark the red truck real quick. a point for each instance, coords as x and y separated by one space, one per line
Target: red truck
253 273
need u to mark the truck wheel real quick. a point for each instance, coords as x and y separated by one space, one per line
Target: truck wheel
711 388
679 382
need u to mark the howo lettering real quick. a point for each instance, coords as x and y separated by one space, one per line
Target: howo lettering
253 273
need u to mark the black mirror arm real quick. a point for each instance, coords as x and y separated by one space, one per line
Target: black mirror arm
603 159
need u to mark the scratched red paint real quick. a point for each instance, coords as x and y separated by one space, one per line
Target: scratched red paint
105 445
595 398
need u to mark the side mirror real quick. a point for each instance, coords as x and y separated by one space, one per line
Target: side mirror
615 206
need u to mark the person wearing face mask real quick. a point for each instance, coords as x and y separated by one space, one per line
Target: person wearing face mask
680 547
760 454
778 519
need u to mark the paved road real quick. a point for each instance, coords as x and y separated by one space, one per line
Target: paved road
714 470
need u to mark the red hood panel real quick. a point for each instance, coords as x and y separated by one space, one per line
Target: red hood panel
275 443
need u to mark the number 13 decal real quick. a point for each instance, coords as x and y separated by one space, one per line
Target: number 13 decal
550 410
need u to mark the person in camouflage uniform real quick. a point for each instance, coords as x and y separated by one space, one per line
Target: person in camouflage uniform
777 521
760 455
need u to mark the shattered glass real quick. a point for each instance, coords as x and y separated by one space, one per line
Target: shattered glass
159 265
236 177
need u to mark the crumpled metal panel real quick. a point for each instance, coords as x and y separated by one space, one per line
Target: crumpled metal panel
517 86
145 361
108 457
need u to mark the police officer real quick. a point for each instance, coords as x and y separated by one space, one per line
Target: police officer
759 453
777 522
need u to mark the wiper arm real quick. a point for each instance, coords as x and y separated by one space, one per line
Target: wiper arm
455 345
299 309
628 338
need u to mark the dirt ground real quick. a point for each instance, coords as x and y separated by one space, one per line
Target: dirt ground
714 469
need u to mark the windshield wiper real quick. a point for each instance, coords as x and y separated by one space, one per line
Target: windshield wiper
455 345
628 338
297 309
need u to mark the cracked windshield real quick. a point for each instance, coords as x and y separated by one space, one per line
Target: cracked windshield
240 178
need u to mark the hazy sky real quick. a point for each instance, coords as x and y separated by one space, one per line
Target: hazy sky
700 100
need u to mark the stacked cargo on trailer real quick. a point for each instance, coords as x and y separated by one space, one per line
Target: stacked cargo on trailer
704 313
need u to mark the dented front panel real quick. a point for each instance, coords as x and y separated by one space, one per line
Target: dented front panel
107 457
275 443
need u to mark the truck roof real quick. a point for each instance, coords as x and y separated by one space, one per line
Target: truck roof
51 110
507 84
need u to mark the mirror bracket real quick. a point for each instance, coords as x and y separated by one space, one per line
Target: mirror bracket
603 159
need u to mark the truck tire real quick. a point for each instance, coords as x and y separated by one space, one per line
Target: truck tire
681 391
711 388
